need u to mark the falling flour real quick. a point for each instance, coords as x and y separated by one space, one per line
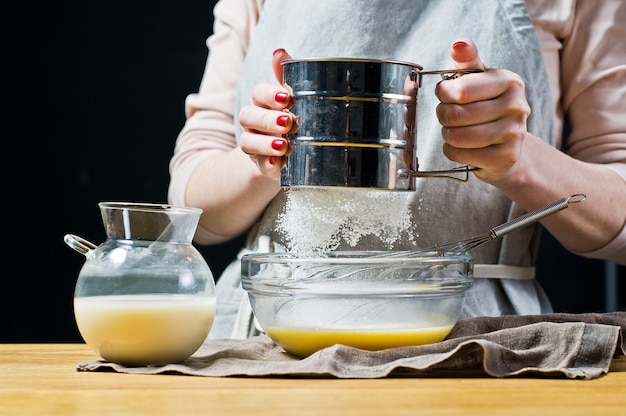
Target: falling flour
316 220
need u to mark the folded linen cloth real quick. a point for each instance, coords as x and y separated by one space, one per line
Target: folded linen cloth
551 345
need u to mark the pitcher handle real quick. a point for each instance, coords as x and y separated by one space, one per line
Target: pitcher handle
79 244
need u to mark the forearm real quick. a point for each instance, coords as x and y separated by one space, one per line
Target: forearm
231 192
545 174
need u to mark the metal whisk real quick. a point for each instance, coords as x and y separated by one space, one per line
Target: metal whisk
463 246
455 248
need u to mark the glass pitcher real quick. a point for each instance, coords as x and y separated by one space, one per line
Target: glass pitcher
146 295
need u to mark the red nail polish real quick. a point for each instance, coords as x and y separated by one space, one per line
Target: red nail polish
459 45
278 144
272 160
281 97
279 50
282 120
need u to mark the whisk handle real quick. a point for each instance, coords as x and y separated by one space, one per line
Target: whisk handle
534 216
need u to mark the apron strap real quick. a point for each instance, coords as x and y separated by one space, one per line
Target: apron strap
501 271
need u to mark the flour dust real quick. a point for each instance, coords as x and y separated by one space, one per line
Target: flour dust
317 220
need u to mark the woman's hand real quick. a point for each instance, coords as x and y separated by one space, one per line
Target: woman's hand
266 122
484 125
483 116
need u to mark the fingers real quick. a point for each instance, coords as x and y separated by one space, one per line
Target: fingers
480 136
263 137
262 145
506 100
261 120
267 121
486 133
483 115
470 87
494 161
277 56
271 96
464 53
268 112
269 153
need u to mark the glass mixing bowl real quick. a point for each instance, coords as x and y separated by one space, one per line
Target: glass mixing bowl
367 300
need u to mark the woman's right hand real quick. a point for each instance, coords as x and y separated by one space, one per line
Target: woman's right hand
267 121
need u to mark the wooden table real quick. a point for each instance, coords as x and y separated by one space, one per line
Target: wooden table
41 379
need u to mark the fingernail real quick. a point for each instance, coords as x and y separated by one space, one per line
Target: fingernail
282 120
278 144
281 97
279 50
459 45
272 160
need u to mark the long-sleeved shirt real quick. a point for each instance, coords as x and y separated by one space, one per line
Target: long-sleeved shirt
582 47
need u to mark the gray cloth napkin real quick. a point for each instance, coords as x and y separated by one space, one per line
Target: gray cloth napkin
551 345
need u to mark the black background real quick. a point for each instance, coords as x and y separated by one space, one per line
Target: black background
93 96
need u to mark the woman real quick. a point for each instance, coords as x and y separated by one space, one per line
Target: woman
549 64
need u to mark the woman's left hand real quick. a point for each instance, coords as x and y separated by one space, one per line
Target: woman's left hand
483 116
